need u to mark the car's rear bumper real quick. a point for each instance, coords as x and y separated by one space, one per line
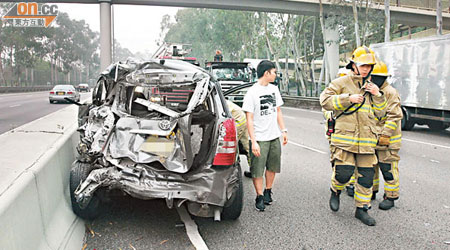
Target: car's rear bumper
210 185
61 97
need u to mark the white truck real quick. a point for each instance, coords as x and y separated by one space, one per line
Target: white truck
420 71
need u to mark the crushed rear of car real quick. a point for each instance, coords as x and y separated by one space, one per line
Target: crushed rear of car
158 129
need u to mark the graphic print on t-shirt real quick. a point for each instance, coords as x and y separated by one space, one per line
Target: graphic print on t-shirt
267 104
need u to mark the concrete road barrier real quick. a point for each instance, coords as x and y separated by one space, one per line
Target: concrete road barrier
35 209
24 89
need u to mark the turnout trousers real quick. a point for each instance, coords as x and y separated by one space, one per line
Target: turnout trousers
345 164
388 164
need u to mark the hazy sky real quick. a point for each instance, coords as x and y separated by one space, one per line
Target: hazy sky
136 27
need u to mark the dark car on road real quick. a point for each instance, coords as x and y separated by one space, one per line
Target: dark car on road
83 87
158 129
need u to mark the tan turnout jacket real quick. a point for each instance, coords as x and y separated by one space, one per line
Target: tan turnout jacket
390 123
356 133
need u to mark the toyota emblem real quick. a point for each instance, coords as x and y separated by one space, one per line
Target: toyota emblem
164 124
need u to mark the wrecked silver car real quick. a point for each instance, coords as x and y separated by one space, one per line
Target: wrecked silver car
158 129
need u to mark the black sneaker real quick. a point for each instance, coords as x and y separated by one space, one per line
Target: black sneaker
350 190
268 196
248 174
259 203
362 215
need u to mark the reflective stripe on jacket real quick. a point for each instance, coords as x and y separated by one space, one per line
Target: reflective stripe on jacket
237 114
390 124
356 133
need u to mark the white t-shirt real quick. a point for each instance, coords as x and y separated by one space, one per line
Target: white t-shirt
263 101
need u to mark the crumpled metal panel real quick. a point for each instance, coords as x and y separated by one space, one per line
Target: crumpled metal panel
97 128
420 70
126 144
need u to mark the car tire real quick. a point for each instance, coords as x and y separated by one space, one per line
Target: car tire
51 102
78 174
234 209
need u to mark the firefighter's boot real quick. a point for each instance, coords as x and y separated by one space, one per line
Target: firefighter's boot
350 190
386 204
364 217
334 200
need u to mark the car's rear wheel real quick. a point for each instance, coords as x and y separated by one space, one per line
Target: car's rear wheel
234 209
78 174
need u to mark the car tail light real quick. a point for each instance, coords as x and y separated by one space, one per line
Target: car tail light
227 142
70 93
52 92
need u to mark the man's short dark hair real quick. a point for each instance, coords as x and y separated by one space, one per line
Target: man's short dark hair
264 66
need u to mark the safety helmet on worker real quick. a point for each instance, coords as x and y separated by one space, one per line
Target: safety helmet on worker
379 73
380 69
362 56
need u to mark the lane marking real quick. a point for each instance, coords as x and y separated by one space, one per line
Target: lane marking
426 143
191 229
299 109
289 117
17 105
306 147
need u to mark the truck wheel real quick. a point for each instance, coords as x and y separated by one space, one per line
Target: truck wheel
437 125
233 210
78 174
407 122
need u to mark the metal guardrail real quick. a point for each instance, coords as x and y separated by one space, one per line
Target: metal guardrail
24 89
302 102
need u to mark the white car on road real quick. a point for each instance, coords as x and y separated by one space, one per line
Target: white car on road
59 92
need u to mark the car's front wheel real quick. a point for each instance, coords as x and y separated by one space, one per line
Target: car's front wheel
233 210
78 174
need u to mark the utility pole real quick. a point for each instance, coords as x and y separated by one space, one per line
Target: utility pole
439 17
105 33
387 21
355 17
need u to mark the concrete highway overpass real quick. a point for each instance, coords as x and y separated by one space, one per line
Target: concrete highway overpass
402 15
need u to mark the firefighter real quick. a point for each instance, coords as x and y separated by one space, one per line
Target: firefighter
390 138
241 125
355 101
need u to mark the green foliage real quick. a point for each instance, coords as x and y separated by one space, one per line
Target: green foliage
66 47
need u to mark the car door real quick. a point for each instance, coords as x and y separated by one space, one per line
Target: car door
236 94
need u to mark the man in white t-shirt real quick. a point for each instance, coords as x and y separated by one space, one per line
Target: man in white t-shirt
265 126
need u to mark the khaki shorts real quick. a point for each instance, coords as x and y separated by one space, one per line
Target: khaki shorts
269 159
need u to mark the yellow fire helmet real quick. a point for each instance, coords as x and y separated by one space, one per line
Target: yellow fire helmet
363 55
380 69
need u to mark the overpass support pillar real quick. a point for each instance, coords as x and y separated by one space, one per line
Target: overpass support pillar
105 34
332 47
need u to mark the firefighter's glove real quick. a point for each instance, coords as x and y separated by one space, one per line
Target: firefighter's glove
384 140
